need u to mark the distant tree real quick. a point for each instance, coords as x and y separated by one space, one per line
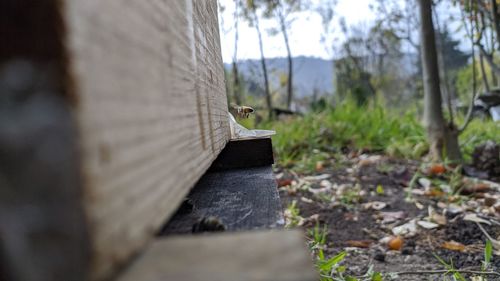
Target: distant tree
282 11
326 10
356 52
237 91
250 12
451 59
483 17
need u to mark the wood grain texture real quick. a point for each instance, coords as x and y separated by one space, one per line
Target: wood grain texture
151 113
250 256
242 199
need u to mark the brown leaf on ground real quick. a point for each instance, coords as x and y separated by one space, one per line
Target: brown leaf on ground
396 243
389 217
477 188
434 192
284 182
437 169
375 205
453 246
359 243
319 166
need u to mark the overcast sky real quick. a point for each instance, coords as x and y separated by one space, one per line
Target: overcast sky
305 32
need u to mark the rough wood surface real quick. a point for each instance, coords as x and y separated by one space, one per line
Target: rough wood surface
241 199
151 110
250 256
132 107
244 154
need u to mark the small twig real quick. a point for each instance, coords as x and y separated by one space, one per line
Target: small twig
494 241
488 218
447 271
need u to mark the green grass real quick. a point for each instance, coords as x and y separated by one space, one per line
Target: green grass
478 132
319 135
346 125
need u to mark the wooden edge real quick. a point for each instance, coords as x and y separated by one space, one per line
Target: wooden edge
244 256
244 154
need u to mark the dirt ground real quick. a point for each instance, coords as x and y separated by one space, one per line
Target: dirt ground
364 198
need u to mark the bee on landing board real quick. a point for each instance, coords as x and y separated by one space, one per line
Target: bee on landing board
209 224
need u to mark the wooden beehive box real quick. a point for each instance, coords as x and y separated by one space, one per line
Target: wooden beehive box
111 111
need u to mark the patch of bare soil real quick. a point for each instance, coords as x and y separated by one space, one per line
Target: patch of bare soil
365 201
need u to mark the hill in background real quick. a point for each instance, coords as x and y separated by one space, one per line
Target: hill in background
310 74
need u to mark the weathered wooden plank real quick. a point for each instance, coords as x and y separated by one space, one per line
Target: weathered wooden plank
244 154
152 113
139 90
250 256
241 199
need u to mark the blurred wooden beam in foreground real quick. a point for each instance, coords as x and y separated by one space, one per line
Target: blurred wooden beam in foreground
250 256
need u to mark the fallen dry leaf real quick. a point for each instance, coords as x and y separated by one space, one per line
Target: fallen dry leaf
436 217
437 169
454 246
317 178
351 217
477 188
319 166
326 183
427 224
419 205
475 218
396 243
408 229
359 243
368 160
425 183
284 182
306 200
389 217
434 192
375 205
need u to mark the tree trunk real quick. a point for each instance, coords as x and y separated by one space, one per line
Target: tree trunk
290 63
236 78
483 73
264 68
236 84
442 138
496 19
445 88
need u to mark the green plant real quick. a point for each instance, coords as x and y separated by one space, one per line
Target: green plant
451 270
329 267
351 196
318 236
488 254
380 189
292 215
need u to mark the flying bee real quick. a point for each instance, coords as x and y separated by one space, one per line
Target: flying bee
244 111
